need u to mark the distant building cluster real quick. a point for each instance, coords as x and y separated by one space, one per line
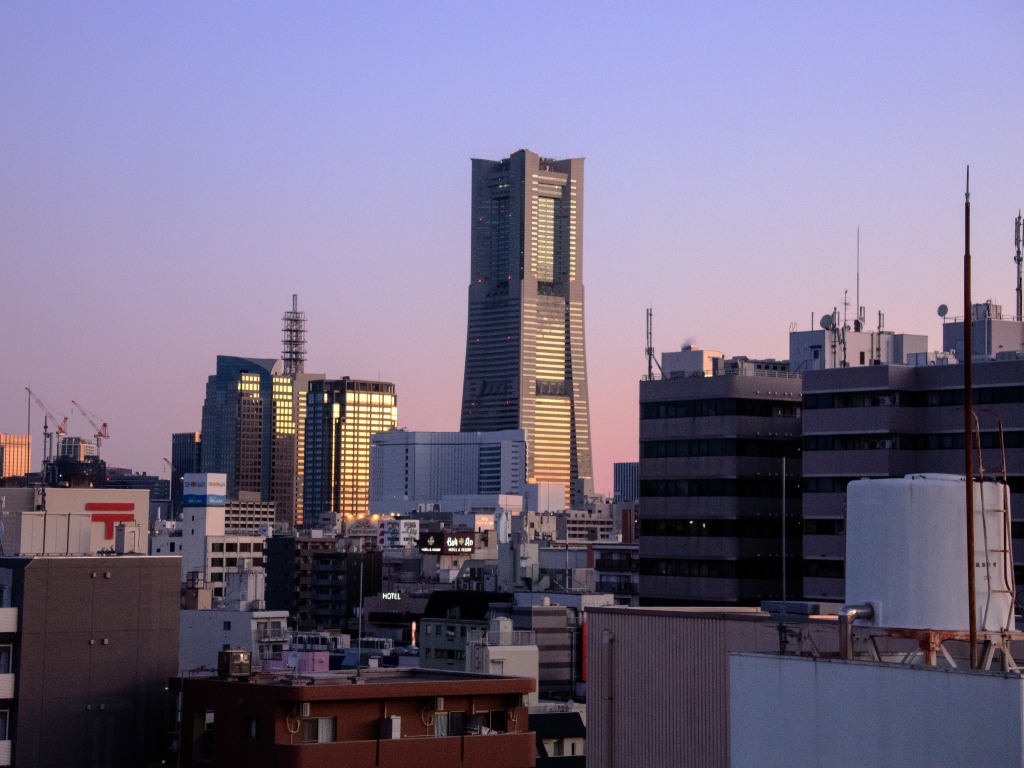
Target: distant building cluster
316 584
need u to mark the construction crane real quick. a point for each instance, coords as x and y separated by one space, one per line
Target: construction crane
101 432
62 428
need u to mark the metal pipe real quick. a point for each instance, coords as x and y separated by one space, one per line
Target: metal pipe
848 615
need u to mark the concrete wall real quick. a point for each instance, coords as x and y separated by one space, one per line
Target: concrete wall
794 712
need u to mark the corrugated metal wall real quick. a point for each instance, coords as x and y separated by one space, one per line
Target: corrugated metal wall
657 685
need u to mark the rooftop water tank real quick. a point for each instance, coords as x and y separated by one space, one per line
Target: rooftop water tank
906 546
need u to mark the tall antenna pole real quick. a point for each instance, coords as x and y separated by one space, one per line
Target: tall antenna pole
1018 238
968 414
859 318
651 361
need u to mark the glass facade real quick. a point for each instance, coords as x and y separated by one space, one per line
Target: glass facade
341 417
15 455
525 357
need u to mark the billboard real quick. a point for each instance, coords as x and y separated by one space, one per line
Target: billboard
397 534
204 489
447 543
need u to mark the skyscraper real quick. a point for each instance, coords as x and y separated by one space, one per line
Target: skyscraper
15 455
341 416
249 431
525 360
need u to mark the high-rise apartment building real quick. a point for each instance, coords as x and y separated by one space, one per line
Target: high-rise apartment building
525 359
341 416
15 455
249 430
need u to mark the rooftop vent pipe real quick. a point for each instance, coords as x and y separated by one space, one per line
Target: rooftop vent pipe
848 615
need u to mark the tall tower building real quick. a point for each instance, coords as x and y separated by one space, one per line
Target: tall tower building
249 431
525 360
341 416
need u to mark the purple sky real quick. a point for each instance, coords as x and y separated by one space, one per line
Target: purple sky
171 173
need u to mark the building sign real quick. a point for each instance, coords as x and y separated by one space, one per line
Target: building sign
446 543
203 489
397 534
110 513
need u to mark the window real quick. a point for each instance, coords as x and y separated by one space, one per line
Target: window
216 562
232 547
318 730
254 728
217 546
5 661
227 624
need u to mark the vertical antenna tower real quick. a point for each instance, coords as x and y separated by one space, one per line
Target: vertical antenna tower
294 354
1018 237
651 359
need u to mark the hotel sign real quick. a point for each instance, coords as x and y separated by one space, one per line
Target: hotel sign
447 543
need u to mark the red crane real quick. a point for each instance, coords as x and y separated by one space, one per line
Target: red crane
62 423
101 433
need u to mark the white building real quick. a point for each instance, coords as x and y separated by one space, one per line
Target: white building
203 634
206 547
74 521
408 469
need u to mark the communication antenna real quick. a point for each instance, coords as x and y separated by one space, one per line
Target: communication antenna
294 354
651 359
1018 239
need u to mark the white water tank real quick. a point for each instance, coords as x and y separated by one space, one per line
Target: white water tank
906 552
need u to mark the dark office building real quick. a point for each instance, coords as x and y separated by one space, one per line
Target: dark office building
186 458
712 445
895 420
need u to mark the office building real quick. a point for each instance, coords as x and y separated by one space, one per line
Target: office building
525 358
87 645
712 444
893 420
249 431
341 417
75 448
15 454
409 469
186 457
626 480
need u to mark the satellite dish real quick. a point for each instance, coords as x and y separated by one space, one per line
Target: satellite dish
943 310
827 322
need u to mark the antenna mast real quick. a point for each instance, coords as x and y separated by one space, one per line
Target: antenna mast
1018 238
294 354
651 360
968 416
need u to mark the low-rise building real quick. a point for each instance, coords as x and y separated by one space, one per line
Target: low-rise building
378 717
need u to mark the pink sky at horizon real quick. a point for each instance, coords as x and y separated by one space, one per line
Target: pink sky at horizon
170 174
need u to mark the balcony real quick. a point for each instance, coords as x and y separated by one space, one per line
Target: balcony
7 686
5 753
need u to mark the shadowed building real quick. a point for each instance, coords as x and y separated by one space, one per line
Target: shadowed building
525 359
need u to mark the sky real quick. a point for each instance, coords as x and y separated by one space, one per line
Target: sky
171 173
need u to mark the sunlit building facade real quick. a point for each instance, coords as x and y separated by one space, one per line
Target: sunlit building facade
15 455
249 431
341 417
525 358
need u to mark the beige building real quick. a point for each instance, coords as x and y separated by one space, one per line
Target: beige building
15 455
